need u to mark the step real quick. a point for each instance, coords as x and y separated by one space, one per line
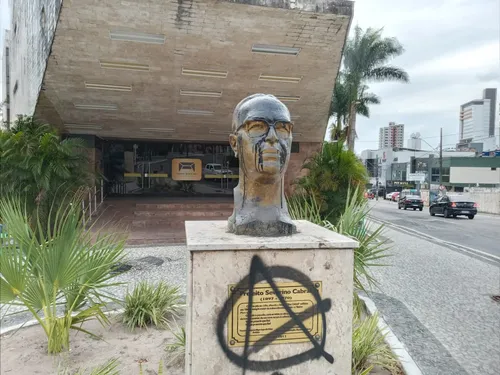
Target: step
185 213
152 237
183 206
171 223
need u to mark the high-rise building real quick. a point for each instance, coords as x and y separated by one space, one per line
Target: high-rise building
415 142
391 136
477 118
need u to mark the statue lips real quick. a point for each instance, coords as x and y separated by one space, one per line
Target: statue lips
270 155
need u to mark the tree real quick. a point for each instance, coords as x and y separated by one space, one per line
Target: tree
36 164
332 172
340 105
366 57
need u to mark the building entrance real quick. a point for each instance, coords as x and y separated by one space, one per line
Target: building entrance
176 169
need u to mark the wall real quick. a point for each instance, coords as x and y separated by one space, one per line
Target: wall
295 170
473 175
488 200
33 26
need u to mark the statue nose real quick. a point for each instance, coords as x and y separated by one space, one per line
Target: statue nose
271 135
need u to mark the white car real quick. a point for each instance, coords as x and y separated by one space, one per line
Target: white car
389 196
217 169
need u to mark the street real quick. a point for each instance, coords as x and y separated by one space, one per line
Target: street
481 234
436 291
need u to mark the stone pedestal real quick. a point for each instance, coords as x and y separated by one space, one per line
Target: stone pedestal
301 308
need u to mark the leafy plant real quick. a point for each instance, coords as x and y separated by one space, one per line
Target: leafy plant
38 165
160 368
63 267
332 172
177 349
304 206
369 348
372 248
150 304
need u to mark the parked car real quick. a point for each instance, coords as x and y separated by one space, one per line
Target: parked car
453 205
217 169
395 196
410 201
389 195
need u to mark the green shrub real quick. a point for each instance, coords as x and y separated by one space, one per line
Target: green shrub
369 348
177 348
332 172
372 247
65 266
38 165
150 304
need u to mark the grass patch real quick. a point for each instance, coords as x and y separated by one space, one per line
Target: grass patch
151 304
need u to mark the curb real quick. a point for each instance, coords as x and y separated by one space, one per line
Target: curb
407 363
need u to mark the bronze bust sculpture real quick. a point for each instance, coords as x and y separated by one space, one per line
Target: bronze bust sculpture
262 140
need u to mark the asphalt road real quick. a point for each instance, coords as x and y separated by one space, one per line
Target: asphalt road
480 236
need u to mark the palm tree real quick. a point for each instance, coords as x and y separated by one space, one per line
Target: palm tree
339 107
366 58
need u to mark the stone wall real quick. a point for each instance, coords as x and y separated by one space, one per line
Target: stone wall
32 29
295 171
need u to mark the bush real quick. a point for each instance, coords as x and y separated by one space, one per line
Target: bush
369 348
177 349
63 267
150 304
332 173
41 167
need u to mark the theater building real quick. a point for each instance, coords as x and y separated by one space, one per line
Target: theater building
150 82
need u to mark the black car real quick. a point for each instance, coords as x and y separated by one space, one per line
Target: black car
453 205
411 201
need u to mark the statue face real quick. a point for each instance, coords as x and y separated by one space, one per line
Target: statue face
263 137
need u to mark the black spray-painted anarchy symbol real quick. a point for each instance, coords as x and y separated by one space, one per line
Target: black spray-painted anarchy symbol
259 272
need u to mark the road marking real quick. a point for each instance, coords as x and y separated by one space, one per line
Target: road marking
465 249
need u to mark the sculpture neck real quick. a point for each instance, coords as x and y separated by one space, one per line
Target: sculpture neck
255 193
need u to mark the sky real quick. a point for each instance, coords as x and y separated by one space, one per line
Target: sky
452 52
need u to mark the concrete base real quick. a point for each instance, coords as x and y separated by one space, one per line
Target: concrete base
219 259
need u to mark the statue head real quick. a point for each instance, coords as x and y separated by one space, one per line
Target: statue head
262 141
262 137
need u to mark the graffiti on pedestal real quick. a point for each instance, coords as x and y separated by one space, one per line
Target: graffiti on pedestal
305 317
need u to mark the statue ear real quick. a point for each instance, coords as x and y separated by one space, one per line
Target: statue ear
233 142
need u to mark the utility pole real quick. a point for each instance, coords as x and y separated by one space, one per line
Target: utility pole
376 177
441 157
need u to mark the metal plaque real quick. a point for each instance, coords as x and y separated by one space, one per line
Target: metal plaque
270 322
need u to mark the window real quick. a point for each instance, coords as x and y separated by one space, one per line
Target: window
295 148
435 170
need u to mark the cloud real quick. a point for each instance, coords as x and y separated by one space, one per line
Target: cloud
451 54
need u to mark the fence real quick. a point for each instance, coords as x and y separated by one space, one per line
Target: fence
92 202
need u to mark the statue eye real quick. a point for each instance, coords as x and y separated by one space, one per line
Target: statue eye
283 128
257 128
